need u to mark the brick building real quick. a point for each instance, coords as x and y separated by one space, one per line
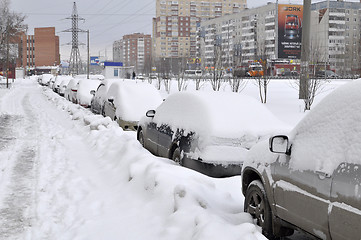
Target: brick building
40 49
134 50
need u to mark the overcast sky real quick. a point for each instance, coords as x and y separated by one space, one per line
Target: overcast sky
107 20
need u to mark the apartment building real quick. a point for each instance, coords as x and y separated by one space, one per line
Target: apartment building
264 32
134 50
241 37
40 49
176 22
335 35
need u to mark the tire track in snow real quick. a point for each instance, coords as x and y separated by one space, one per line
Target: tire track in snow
16 212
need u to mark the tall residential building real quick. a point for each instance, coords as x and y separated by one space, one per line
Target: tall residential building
336 35
176 22
134 50
264 32
40 49
243 37
118 51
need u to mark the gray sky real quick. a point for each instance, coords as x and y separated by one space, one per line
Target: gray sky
107 20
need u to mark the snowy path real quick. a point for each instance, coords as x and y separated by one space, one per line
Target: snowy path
67 174
40 171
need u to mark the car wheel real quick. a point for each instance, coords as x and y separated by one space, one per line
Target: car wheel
257 205
141 138
176 157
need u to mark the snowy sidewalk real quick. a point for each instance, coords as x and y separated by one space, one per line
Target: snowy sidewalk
68 174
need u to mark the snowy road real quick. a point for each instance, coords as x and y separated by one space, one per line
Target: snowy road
67 174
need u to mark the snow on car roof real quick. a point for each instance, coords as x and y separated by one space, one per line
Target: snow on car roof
220 114
335 119
133 99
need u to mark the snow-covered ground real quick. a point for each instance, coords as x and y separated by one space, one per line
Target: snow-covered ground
68 174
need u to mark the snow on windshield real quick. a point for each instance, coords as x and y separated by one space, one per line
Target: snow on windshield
133 99
331 133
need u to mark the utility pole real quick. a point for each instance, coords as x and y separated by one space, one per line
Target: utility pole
75 64
88 64
305 50
7 55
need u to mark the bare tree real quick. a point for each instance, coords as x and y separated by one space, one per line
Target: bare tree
216 79
181 78
315 85
263 81
11 25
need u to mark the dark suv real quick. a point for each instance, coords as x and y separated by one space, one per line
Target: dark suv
310 180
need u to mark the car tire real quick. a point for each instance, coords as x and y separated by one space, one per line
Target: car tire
176 157
256 204
141 137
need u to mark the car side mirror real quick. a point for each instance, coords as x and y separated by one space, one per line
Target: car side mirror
279 144
92 92
150 113
111 99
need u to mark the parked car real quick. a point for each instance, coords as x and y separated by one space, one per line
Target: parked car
64 84
71 90
127 101
84 95
100 96
57 81
209 132
45 79
328 73
310 180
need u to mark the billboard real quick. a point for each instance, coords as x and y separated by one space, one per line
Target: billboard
289 31
94 61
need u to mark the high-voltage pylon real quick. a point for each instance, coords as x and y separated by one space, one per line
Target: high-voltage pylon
75 64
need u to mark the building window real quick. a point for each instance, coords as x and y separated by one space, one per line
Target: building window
116 73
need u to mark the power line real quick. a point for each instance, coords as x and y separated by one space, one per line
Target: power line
122 21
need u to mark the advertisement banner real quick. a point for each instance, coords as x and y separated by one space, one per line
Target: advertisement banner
94 61
289 31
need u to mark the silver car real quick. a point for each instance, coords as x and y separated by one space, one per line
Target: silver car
310 180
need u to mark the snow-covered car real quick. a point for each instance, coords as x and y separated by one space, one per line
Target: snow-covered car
45 79
57 81
100 96
84 88
64 84
128 101
71 90
310 180
209 132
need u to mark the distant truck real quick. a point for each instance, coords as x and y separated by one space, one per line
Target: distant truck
251 70
255 70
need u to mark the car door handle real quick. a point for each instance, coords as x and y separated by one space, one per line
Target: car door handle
323 175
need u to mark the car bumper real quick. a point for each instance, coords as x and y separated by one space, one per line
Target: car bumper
213 169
